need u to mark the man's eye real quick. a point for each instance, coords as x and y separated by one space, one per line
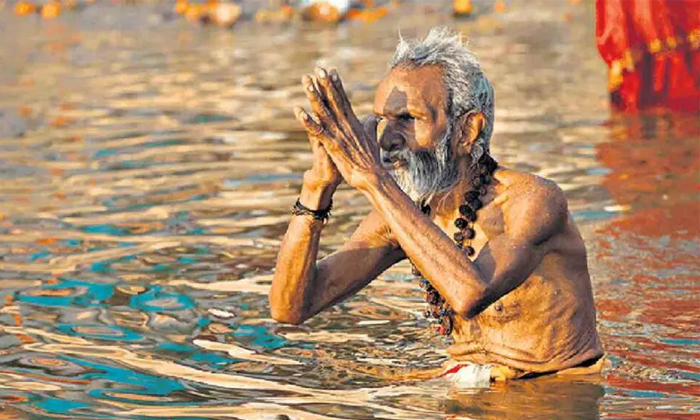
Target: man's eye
406 117
381 124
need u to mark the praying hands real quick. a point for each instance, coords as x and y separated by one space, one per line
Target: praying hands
351 145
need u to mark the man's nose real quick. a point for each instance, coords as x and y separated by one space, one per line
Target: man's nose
391 141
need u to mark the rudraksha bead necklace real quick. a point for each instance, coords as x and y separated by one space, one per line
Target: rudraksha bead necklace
438 308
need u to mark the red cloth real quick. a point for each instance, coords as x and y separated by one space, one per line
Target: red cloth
652 48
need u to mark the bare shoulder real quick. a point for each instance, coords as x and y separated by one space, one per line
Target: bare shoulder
529 189
534 208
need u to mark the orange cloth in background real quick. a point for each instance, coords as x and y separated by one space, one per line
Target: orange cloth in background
652 48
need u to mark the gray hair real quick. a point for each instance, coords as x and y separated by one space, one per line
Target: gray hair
467 87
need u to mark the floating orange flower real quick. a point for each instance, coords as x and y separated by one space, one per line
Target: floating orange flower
51 10
323 12
23 8
367 15
194 12
462 7
181 6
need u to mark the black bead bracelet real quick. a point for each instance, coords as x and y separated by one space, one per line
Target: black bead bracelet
321 214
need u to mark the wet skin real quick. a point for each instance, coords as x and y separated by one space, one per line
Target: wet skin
524 300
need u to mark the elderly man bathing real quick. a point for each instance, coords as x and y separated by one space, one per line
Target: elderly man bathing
501 261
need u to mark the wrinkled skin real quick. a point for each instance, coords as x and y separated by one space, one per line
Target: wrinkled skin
523 301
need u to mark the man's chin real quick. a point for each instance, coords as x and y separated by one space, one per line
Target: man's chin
402 180
398 174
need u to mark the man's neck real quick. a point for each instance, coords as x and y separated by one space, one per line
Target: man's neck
445 203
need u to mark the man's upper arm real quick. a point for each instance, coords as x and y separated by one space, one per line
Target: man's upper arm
533 214
369 251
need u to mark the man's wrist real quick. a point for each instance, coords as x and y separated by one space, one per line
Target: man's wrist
373 181
315 193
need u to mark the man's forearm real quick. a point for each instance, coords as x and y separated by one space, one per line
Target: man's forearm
296 262
426 245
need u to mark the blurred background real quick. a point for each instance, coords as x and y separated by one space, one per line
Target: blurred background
149 159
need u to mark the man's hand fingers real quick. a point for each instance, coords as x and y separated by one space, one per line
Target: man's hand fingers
334 100
312 127
340 94
316 100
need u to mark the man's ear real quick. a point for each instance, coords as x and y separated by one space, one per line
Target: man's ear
470 126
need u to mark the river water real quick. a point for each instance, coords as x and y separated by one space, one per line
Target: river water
147 170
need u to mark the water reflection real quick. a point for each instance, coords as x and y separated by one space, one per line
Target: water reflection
147 172
654 161
538 399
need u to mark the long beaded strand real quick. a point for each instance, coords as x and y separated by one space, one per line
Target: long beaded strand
438 308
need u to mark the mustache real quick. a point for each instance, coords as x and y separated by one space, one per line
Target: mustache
421 174
421 159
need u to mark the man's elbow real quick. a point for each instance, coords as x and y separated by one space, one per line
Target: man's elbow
288 318
470 306
287 315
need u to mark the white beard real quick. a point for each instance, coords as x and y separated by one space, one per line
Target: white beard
426 172
406 183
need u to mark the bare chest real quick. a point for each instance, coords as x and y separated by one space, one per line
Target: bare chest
488 225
